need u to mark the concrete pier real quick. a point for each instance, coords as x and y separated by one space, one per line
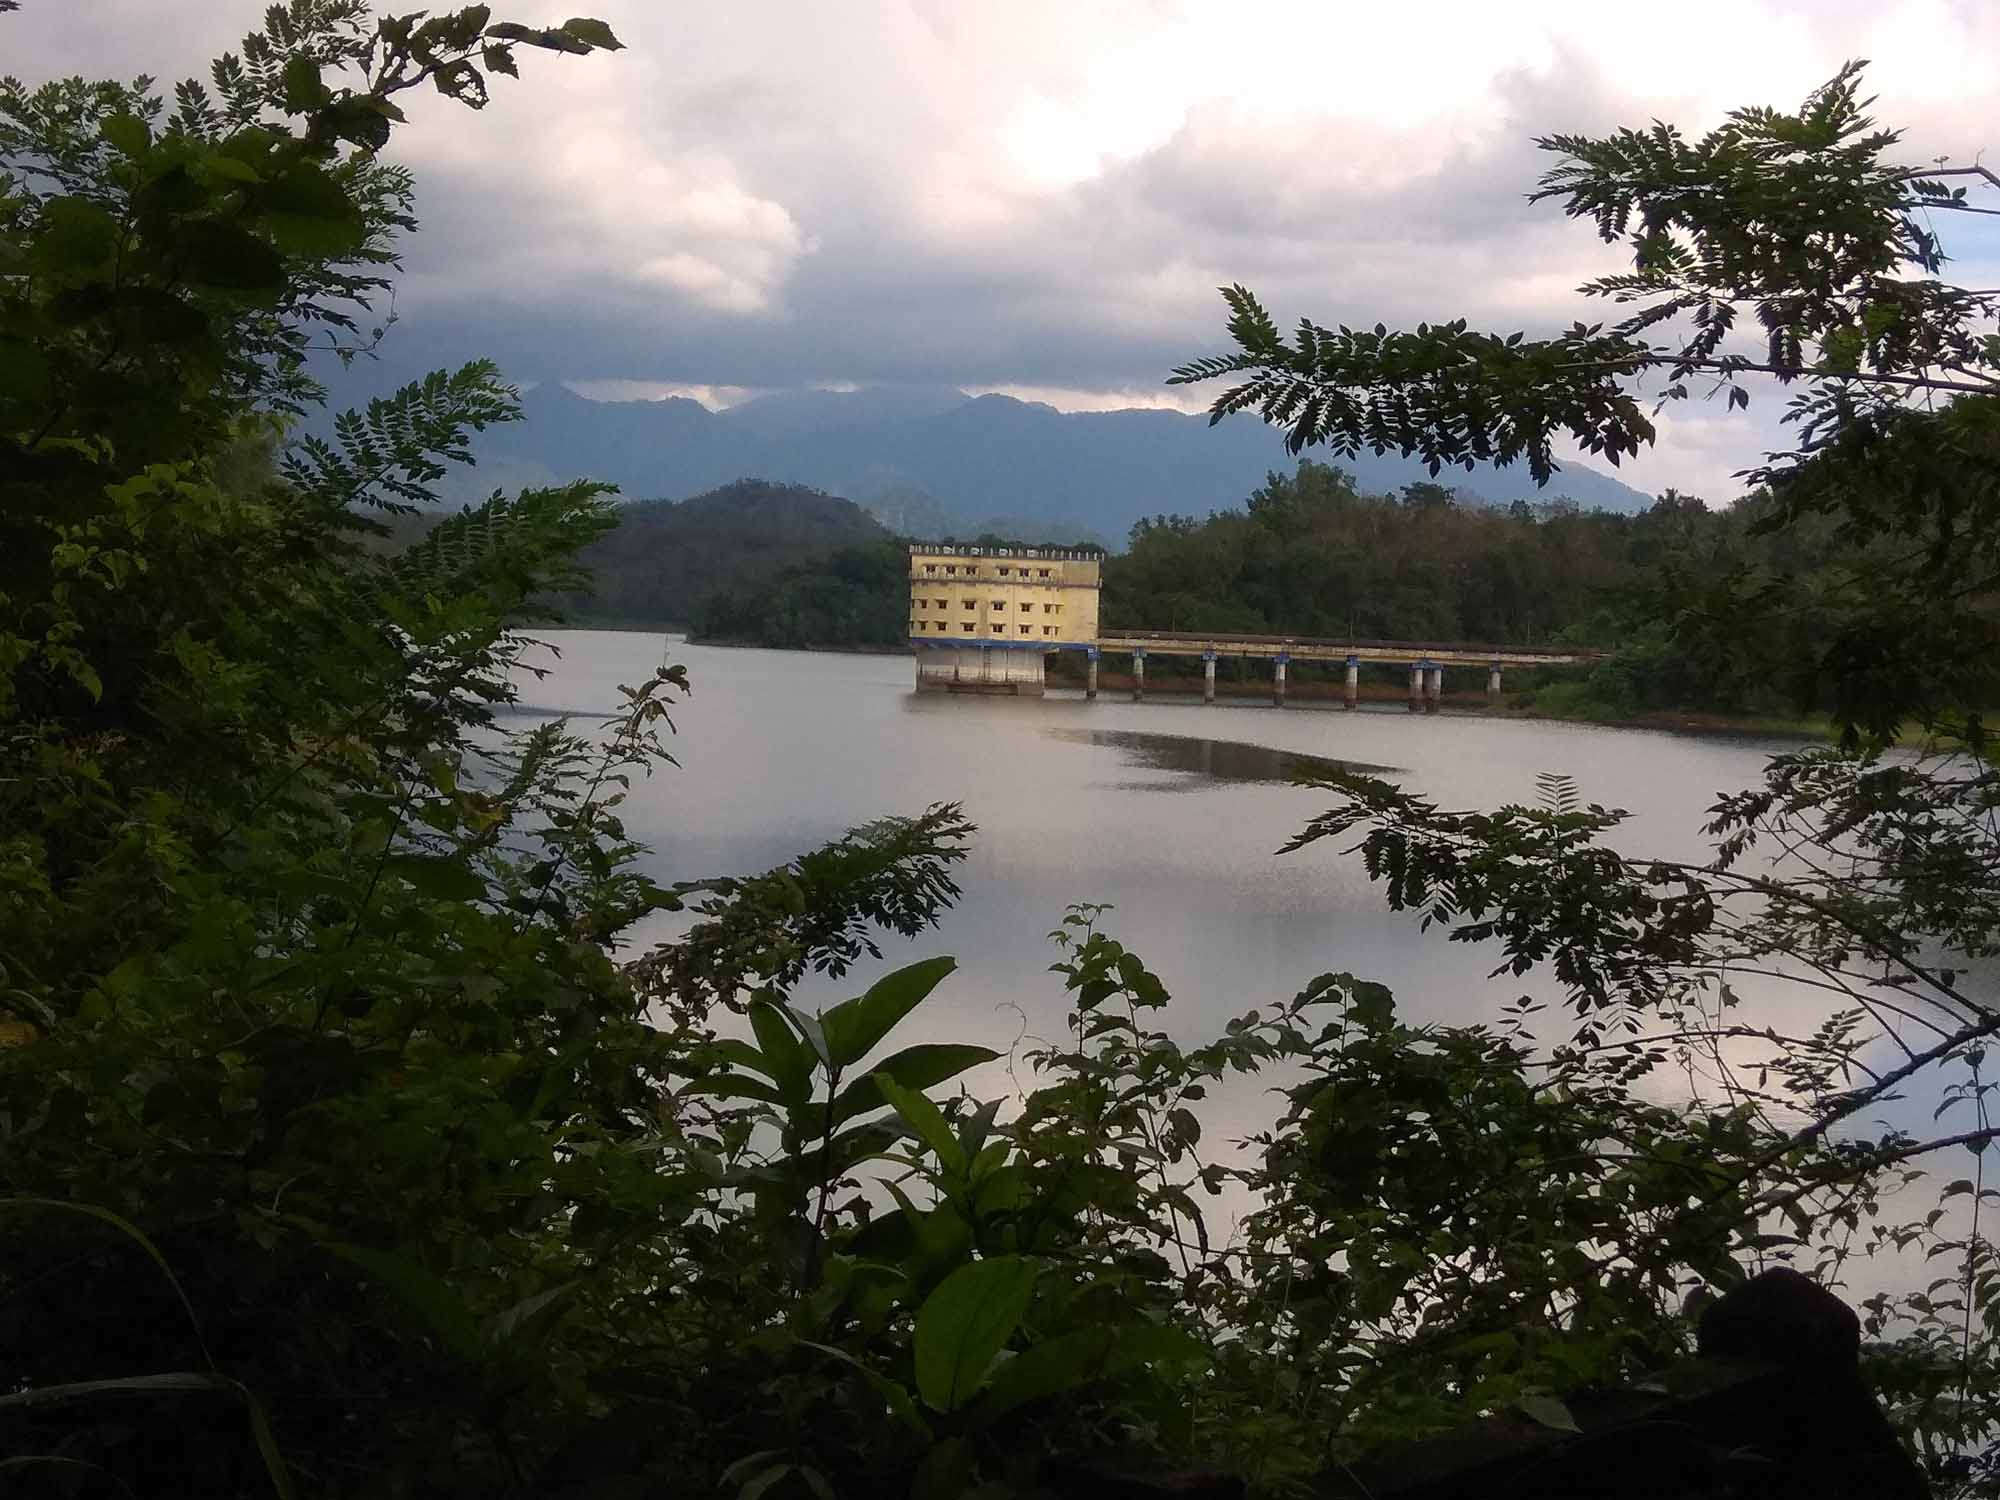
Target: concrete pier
1416 688
1278 680
1090 675
1351 695
1493 683
1138 676
1433 688
979 668
1208 676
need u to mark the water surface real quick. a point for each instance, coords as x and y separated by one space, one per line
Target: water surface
1170 811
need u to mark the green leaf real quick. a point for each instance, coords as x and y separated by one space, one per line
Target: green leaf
790 1063
854 1026
1050 1368
441 876
426 1294
528 1321
1549 1412
942 1237
592 33
736 1086
307 212
126 132
267 1442
170 1383
965 1323
499 59
303 90
218 254
76 236
915 1067
926 1120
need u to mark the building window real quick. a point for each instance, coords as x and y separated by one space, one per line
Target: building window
1027 630
949 568
1005 571
930 567
923 604
999 603
1048 609
1045 572
969 604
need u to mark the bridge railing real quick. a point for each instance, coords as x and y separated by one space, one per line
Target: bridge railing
1201 637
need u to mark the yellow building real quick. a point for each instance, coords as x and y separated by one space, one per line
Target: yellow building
982 619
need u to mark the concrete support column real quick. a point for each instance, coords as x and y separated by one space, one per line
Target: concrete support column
1416 688
1278 680
1208 676
1493 683
1351 695
1090 674
1433 688
1138 676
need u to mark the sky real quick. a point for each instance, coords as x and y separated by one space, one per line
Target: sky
1040 197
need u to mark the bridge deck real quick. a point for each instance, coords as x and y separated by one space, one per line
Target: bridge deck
1305 648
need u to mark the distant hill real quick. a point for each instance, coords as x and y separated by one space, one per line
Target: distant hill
954 461
669 560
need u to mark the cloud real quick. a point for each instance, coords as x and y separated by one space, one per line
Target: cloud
1043 196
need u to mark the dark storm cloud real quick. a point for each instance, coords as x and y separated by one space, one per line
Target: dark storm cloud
1042 196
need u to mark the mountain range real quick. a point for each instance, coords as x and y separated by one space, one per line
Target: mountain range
928 460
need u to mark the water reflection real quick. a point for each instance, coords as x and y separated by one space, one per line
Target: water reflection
1199 760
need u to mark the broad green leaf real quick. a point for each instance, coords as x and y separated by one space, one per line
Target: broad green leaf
1155 1344
815 1038
1549 1412
965 1323
942 1236
218 254
741 1054
592 32
915 1067
76 236
126 132
790 1063
926 1120
303 89
531 1318
441 876
736 1086
1050 1368
853 1027
424 1293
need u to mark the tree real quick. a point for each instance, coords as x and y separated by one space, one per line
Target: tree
1865 876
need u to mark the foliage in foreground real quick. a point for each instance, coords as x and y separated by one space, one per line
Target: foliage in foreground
346 1153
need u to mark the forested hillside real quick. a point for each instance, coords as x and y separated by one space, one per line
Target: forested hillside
675 562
